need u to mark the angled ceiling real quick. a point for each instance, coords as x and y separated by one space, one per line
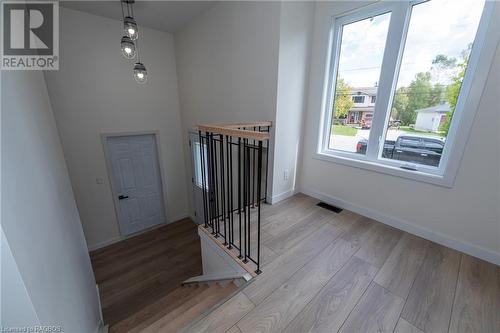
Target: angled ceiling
162 15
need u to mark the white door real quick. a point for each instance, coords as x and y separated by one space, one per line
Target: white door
197 176
136 181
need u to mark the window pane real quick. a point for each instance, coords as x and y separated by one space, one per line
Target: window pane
198 176
436 52
360 60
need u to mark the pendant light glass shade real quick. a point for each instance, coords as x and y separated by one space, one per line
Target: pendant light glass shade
130 28
128 48
140 73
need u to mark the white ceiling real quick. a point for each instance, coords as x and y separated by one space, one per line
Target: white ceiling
162 15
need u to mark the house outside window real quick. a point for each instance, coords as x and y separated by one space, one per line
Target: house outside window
419 79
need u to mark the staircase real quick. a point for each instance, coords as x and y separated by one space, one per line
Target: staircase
234 163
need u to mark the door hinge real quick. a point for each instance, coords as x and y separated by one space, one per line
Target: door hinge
189 143
194 213
192 180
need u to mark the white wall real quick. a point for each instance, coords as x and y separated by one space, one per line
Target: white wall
227 63
39 216
16 309
94 92
465 217
293 75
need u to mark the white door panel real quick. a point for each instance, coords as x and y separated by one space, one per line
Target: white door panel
136 181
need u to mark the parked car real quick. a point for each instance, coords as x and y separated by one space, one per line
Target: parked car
394 124
409 148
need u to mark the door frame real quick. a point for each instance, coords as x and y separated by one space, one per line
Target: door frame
193 172
109 169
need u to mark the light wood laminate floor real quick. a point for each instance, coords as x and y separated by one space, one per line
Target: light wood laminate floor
328 272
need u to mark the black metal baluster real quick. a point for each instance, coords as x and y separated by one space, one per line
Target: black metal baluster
211 181
253 171
229 142
223 188
267 164
245 199
259 178
216 187
239 193
249 198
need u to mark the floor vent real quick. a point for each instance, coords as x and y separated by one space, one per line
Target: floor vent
329 207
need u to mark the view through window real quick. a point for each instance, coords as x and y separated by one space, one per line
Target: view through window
435 55
360 61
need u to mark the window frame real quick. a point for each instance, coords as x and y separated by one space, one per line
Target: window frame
362 99
480 60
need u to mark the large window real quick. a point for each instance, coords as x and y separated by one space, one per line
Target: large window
412 59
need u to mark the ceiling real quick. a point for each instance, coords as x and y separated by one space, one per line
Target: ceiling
162 15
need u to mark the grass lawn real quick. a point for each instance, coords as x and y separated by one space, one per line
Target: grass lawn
411 130
344 130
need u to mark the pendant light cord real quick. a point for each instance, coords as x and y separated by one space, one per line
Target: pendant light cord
137 48
123 13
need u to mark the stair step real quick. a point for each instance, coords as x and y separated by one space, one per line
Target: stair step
191 309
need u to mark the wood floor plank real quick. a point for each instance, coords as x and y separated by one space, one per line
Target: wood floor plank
477 300
377 311
224 317
345 219
429 303
190 310
330 307
283 267
296 233
401 268
234 329
153 312
278 310
139 271
378 244
358 231
405 327
303 287
267 255
279 223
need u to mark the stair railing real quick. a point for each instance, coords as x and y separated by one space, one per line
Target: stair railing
234 163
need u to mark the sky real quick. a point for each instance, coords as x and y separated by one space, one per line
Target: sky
436 27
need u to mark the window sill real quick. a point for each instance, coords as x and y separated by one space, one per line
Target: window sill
444 181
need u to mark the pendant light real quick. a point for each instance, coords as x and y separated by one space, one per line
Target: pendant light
128 48
130 28
140 73
130 43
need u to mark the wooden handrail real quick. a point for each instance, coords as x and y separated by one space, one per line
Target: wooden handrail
249 124
234 130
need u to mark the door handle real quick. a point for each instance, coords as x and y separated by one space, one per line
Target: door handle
121 197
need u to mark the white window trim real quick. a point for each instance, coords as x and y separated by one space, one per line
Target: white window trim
476 75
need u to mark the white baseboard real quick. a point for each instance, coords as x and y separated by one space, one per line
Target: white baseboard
105 243
282 196
179 217
119 238
462 246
